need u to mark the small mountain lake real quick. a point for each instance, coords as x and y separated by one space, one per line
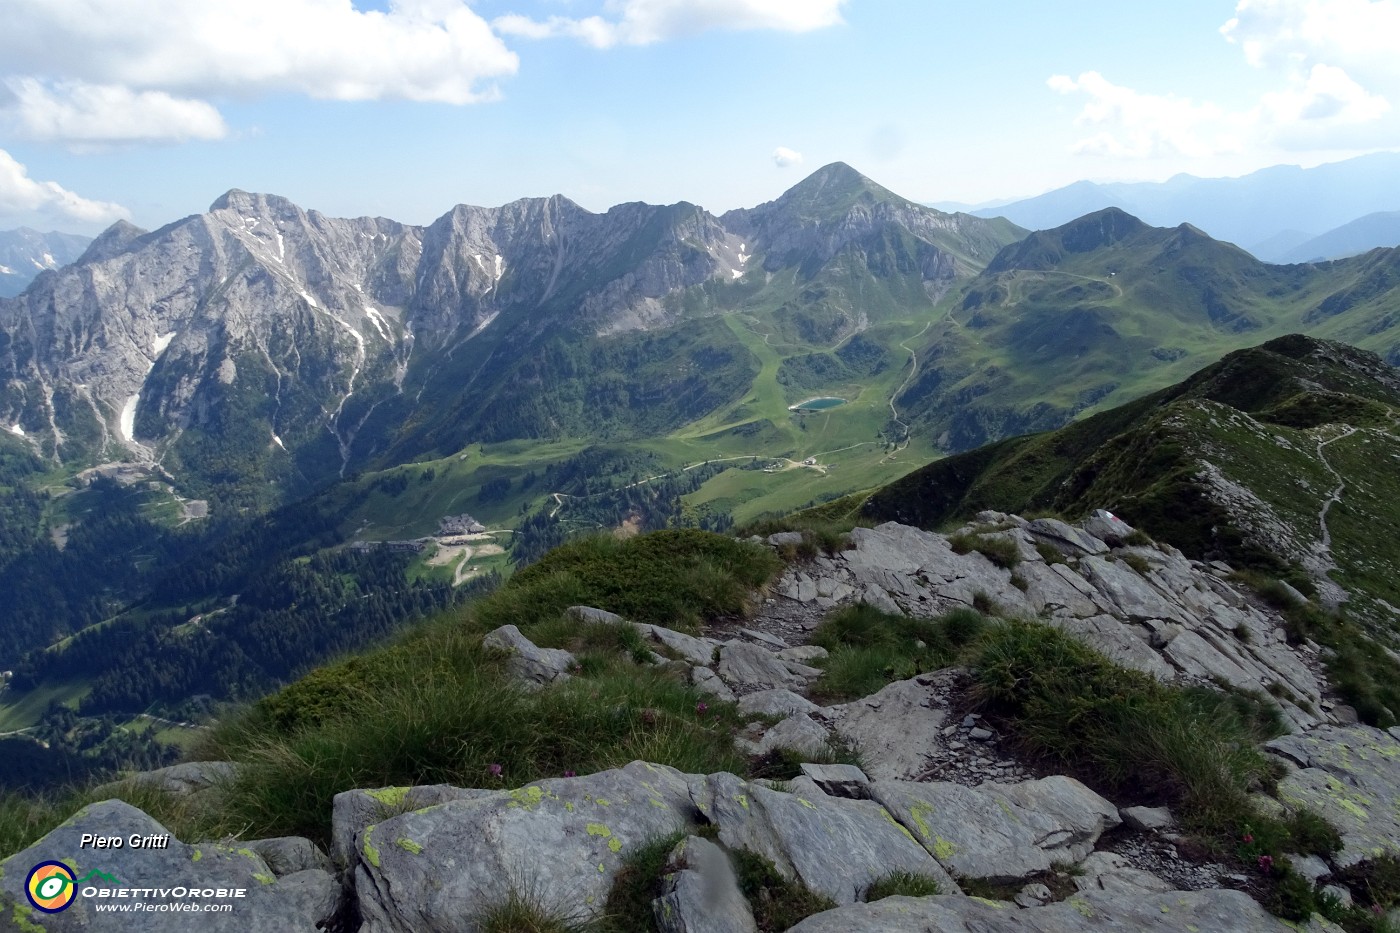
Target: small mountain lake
817 404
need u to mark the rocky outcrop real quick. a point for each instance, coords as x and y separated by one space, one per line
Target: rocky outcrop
1145 607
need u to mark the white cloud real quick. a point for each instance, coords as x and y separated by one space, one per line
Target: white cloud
1146 125
784 157
93 113
146 61
1336 70
21 194
642 22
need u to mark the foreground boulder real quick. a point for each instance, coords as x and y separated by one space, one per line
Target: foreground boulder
561 842
1216 911
155 882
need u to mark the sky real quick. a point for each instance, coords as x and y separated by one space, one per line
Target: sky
148 110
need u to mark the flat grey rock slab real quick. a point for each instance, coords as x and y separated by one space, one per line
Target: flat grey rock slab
297 902
804 654
1216 911
287 855
743 663
777 702
797 733
895 730
1146 818
708 682
836 847
838 780
353 810
593 616
1000 832
1350 776
1111 873
1116 641
1071 541
700 893
700 651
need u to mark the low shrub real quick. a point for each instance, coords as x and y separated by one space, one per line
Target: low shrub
1001 551
869 648
778 904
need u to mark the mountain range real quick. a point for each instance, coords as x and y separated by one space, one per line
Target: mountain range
1272 212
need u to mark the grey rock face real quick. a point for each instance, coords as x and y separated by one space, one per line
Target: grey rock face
299 901
708 682
835 847
1107 527
1216 910
1350 776
700 893
1111 873
531 666
201 783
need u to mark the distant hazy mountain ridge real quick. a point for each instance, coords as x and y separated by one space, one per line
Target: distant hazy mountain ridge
24 253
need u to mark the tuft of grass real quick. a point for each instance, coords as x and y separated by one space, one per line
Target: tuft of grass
869 648
638 883
679 578
905 883
1049 553
1195 748
440 710
524 912
778 904
1137 562
1001 551
1137 538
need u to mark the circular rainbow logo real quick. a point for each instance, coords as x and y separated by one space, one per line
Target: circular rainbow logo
50 887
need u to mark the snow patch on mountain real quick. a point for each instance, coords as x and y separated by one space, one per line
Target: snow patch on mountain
127 422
